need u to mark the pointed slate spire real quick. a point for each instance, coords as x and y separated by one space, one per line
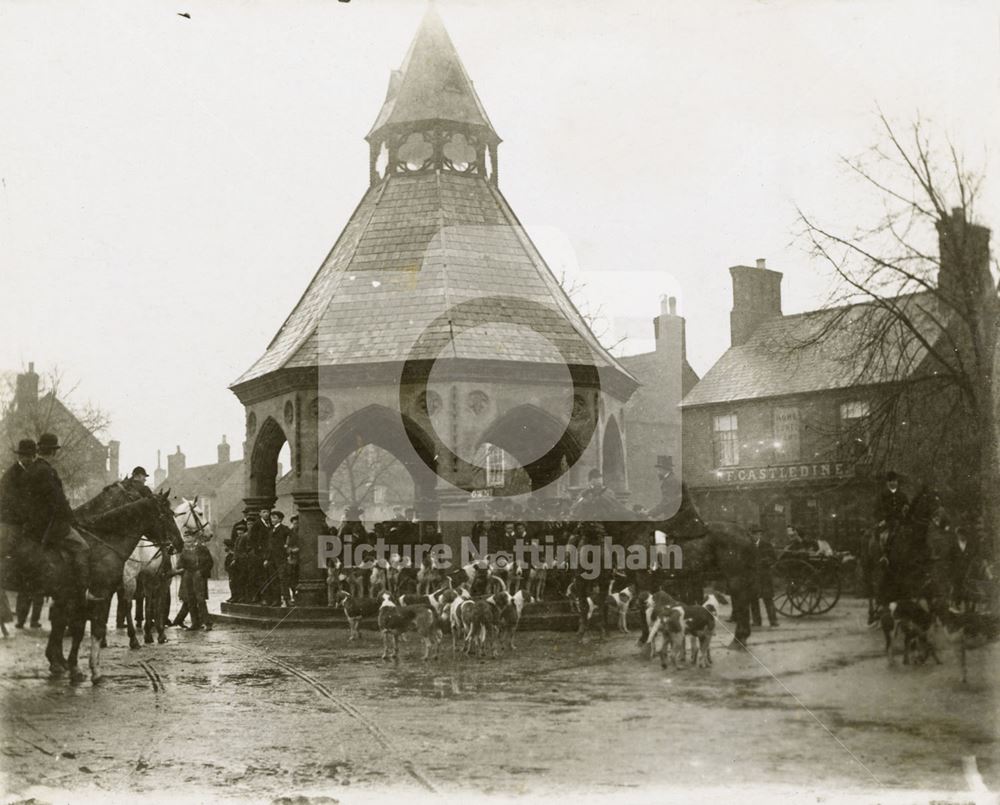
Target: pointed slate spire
431 85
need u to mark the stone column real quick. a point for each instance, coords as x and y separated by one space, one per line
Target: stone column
310 505
456 518
253 505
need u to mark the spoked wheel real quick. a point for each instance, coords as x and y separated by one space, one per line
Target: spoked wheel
796 588
828 591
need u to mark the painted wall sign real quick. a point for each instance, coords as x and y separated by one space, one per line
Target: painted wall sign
784 473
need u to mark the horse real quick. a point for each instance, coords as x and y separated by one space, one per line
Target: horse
708 551
895 560
112 536
148 573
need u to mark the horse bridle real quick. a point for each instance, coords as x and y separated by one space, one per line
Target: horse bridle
193 512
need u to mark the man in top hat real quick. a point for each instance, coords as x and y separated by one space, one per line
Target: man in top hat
893 505
50 517
13 514
670 489
136 482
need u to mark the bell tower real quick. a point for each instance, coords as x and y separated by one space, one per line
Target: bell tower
432 118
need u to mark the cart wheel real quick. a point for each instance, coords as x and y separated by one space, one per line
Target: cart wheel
828 590
796 588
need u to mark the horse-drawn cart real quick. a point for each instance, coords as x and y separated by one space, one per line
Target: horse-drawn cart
807 583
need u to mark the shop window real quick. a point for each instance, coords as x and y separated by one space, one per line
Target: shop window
726 440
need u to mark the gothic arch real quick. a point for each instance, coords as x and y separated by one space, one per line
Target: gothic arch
395 433
264 459
521 430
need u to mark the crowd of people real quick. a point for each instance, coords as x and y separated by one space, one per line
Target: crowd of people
262 559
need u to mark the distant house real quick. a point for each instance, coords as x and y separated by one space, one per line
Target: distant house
218 488
86 465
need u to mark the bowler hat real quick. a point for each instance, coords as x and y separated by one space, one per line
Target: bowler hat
26 447
664 462
48 443
140 471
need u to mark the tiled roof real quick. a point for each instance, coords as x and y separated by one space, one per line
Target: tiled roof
203 480
432 84
816 351
416 246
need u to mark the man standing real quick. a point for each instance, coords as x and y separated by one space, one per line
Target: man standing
276 561
670 489
290 582
50 517
259 541
763 559
13 512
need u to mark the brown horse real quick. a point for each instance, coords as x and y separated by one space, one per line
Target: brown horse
112 537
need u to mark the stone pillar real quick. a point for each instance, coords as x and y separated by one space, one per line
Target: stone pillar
456 518
252 505
310 506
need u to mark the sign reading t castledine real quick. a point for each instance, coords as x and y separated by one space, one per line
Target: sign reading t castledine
787 472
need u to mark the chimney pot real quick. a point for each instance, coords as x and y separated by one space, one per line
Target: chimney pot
761 262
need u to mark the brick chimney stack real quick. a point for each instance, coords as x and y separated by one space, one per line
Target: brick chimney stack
964 249
159 474
176 463
26 391
223 450
114 448
756 298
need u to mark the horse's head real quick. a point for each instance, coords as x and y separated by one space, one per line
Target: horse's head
190 519
165 529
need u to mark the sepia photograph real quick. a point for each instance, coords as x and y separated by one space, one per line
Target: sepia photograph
472 401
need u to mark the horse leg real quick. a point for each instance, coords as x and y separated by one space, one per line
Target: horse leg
98 628
162 612
54 647
133 641
149 610
77 627
139 601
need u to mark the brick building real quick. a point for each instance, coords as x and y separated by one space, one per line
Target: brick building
86 464
780 431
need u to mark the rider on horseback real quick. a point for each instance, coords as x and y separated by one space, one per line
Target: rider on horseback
136 483
893 505
49 516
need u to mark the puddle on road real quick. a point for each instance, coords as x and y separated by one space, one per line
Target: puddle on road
260 677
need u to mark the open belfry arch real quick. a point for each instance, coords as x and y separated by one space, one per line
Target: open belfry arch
432 329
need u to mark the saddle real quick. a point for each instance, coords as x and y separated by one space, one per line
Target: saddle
32 568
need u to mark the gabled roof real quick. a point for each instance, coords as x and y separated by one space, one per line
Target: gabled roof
819 350
203 480
417 246
432 84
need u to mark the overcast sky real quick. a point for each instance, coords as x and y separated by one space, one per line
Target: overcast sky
168 186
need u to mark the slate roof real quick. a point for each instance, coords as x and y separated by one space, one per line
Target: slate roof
203 480
419 244
814 351
432 84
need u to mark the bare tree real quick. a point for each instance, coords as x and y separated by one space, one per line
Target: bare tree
916 321
354 482
82 459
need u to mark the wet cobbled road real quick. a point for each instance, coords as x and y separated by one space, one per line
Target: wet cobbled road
244 714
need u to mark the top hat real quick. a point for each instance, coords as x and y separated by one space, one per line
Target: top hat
26 447
140 471
664 462
48 443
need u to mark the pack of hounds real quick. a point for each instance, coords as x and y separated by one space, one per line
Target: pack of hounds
487 624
